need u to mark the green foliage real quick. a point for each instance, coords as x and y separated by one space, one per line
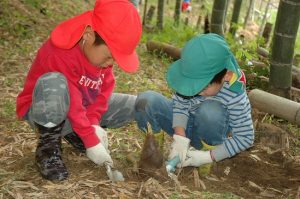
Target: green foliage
33 3
209 195
8 108
174 35
235 26
15 23
208 5
150 77
294 129
245 52
295 141
297 44
8 82
273 15
175 195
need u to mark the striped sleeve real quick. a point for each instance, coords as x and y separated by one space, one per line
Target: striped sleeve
180 111
241 125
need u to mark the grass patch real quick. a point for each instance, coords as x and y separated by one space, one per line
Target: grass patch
297 44
209 195
8 108
167 35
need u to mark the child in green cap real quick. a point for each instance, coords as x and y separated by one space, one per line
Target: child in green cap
209 111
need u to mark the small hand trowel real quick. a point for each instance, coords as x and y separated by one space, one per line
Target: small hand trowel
171 167
113 174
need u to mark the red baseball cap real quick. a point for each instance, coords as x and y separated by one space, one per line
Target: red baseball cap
116 21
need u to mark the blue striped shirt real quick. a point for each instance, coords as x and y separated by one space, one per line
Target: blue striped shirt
240 121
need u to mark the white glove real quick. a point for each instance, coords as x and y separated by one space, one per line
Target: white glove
179 147
197 158
102 135
98 154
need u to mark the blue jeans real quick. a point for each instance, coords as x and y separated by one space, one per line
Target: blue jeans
209 122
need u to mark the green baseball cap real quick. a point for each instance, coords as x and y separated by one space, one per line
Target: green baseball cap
202 58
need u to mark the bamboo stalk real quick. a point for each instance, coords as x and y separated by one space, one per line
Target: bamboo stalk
276 105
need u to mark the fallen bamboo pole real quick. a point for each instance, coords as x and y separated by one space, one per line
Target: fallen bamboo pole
159 47
276 105
263 52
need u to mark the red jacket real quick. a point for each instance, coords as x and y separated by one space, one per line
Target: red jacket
89 87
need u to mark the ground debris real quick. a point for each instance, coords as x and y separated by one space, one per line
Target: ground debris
197 181
23 184
271 176
255 186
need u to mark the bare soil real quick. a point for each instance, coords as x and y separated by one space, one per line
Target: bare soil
270 169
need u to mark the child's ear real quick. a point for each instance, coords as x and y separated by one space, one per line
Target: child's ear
228 75
88 33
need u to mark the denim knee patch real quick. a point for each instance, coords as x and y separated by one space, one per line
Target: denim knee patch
210 123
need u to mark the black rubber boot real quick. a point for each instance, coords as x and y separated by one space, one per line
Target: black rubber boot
75 141
48 153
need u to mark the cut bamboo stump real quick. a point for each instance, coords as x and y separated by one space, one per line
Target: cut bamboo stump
276 105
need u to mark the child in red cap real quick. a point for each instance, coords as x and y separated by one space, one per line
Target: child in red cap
68 90
186 6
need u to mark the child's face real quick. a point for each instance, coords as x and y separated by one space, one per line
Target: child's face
214 88
211 89
99 55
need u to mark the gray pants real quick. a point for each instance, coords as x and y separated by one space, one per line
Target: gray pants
51 101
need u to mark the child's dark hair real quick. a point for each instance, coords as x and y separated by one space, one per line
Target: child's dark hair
98 40
218 77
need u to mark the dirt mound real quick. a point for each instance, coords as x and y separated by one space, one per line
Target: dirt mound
257 173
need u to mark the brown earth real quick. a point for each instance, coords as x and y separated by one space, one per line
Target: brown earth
270 169
267 170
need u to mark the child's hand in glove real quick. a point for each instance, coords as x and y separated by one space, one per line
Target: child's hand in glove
98 154
102 135
179 148
197 158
